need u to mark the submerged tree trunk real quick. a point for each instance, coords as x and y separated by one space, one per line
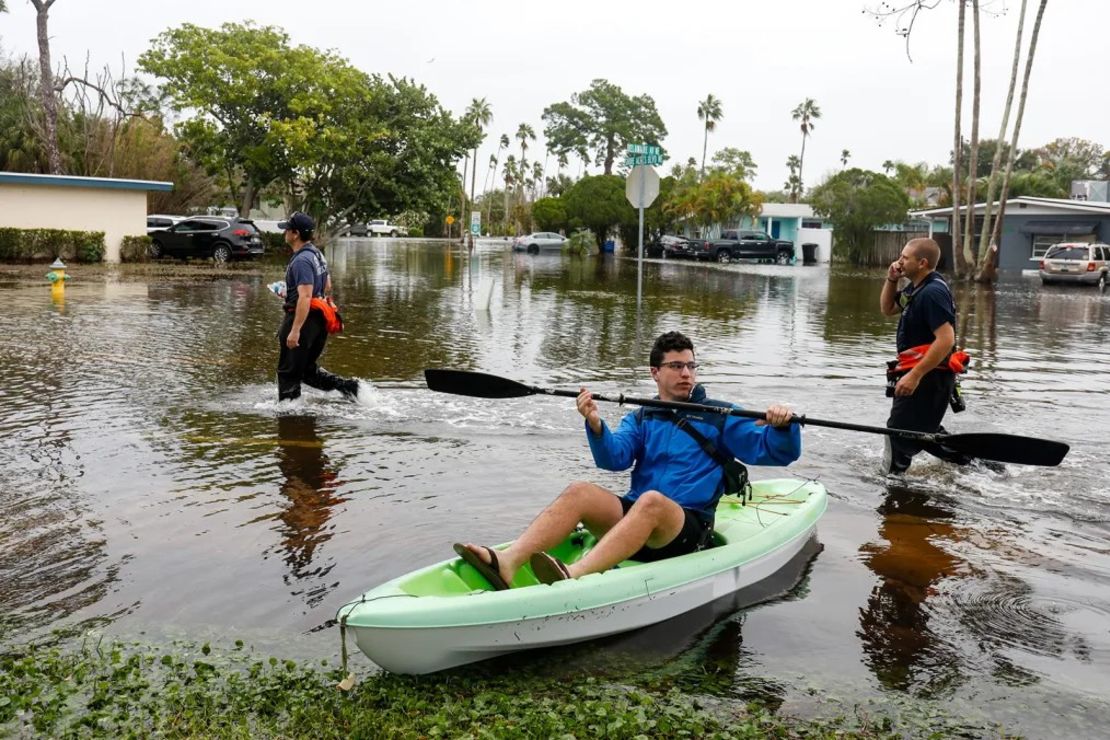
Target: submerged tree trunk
46 87
988 270
986 245
957 146
973 154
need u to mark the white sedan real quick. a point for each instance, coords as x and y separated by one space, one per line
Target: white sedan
540 241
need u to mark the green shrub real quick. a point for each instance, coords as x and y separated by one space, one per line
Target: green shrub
135 249
581 242
39 245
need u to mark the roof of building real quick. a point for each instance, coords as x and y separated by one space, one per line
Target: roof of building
73 181
1013 206
787 210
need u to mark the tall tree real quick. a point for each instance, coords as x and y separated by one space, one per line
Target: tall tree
988 203
508 173
957 146
524 132
736 162
856 201
480 115
338 142
805 113
602 119
844 154
793 185
973 155
46 86
987 267
709 111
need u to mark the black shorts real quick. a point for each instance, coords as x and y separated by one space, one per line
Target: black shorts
695 534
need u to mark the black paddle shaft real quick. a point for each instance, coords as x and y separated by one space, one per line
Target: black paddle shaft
989 446
728 411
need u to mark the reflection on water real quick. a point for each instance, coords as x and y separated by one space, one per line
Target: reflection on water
309 483
149 478
903 650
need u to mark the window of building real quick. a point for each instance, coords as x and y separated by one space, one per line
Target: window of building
812 224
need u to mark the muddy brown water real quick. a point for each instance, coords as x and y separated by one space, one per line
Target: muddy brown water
151 486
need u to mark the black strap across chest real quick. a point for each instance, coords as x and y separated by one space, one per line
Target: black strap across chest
735 473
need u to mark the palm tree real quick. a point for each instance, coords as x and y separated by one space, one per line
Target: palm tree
844 154
537 176
524 132
492 167
793 183
957 145
996 160
888 166
480 115
973 154
986 260
509 174
806 113
709 110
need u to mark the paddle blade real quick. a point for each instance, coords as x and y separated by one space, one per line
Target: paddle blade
480 385
1007 448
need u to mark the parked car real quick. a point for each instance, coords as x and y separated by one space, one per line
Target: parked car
743 244
1076 262
220 238
540 241
157 221
666 245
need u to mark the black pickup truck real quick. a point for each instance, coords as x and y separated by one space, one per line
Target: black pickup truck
741 244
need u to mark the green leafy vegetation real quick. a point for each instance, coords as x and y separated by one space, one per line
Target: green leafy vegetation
117 691
33 245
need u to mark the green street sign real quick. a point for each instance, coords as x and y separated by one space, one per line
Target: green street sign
646 149
637 160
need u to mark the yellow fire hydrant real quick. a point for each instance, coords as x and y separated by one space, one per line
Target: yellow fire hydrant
57 277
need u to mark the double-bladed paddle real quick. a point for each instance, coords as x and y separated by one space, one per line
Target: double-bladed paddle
1007 448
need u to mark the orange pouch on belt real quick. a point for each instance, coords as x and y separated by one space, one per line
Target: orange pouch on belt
333 321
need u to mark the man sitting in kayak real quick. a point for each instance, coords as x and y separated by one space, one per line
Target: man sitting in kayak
676 479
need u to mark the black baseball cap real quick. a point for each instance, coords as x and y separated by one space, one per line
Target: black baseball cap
298 222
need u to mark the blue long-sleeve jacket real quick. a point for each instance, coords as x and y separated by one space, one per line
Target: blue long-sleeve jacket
669 460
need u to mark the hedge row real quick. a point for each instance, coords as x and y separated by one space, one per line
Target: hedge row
135 249
32 245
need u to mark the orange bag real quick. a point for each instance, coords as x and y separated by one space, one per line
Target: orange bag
333 321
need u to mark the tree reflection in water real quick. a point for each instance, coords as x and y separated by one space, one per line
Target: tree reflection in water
309 483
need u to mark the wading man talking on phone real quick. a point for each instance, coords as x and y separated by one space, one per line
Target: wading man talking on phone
924 375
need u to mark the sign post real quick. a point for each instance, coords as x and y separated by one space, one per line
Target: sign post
641 189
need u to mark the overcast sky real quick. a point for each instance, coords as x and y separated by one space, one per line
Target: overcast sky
760 58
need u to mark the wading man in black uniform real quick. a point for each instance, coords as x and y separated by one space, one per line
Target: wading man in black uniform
926 340
303 332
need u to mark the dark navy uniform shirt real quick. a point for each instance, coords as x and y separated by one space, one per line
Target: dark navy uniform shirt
307 267
925 308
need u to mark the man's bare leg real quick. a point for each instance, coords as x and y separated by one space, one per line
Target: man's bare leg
596 507
653 520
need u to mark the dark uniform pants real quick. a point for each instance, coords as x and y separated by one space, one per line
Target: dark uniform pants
298 365
922 412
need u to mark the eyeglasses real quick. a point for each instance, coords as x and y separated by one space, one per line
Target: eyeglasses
677 366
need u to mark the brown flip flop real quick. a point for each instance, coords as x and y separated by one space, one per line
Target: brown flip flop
547 569
490 571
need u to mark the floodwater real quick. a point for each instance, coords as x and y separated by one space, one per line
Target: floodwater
151 487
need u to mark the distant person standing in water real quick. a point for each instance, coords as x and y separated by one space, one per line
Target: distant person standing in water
304 330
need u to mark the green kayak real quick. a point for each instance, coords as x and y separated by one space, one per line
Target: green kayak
447 614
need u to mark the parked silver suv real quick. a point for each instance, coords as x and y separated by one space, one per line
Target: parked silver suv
1076 262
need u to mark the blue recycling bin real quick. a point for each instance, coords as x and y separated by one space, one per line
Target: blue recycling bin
609 246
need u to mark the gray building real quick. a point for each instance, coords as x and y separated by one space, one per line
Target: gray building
1031 225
